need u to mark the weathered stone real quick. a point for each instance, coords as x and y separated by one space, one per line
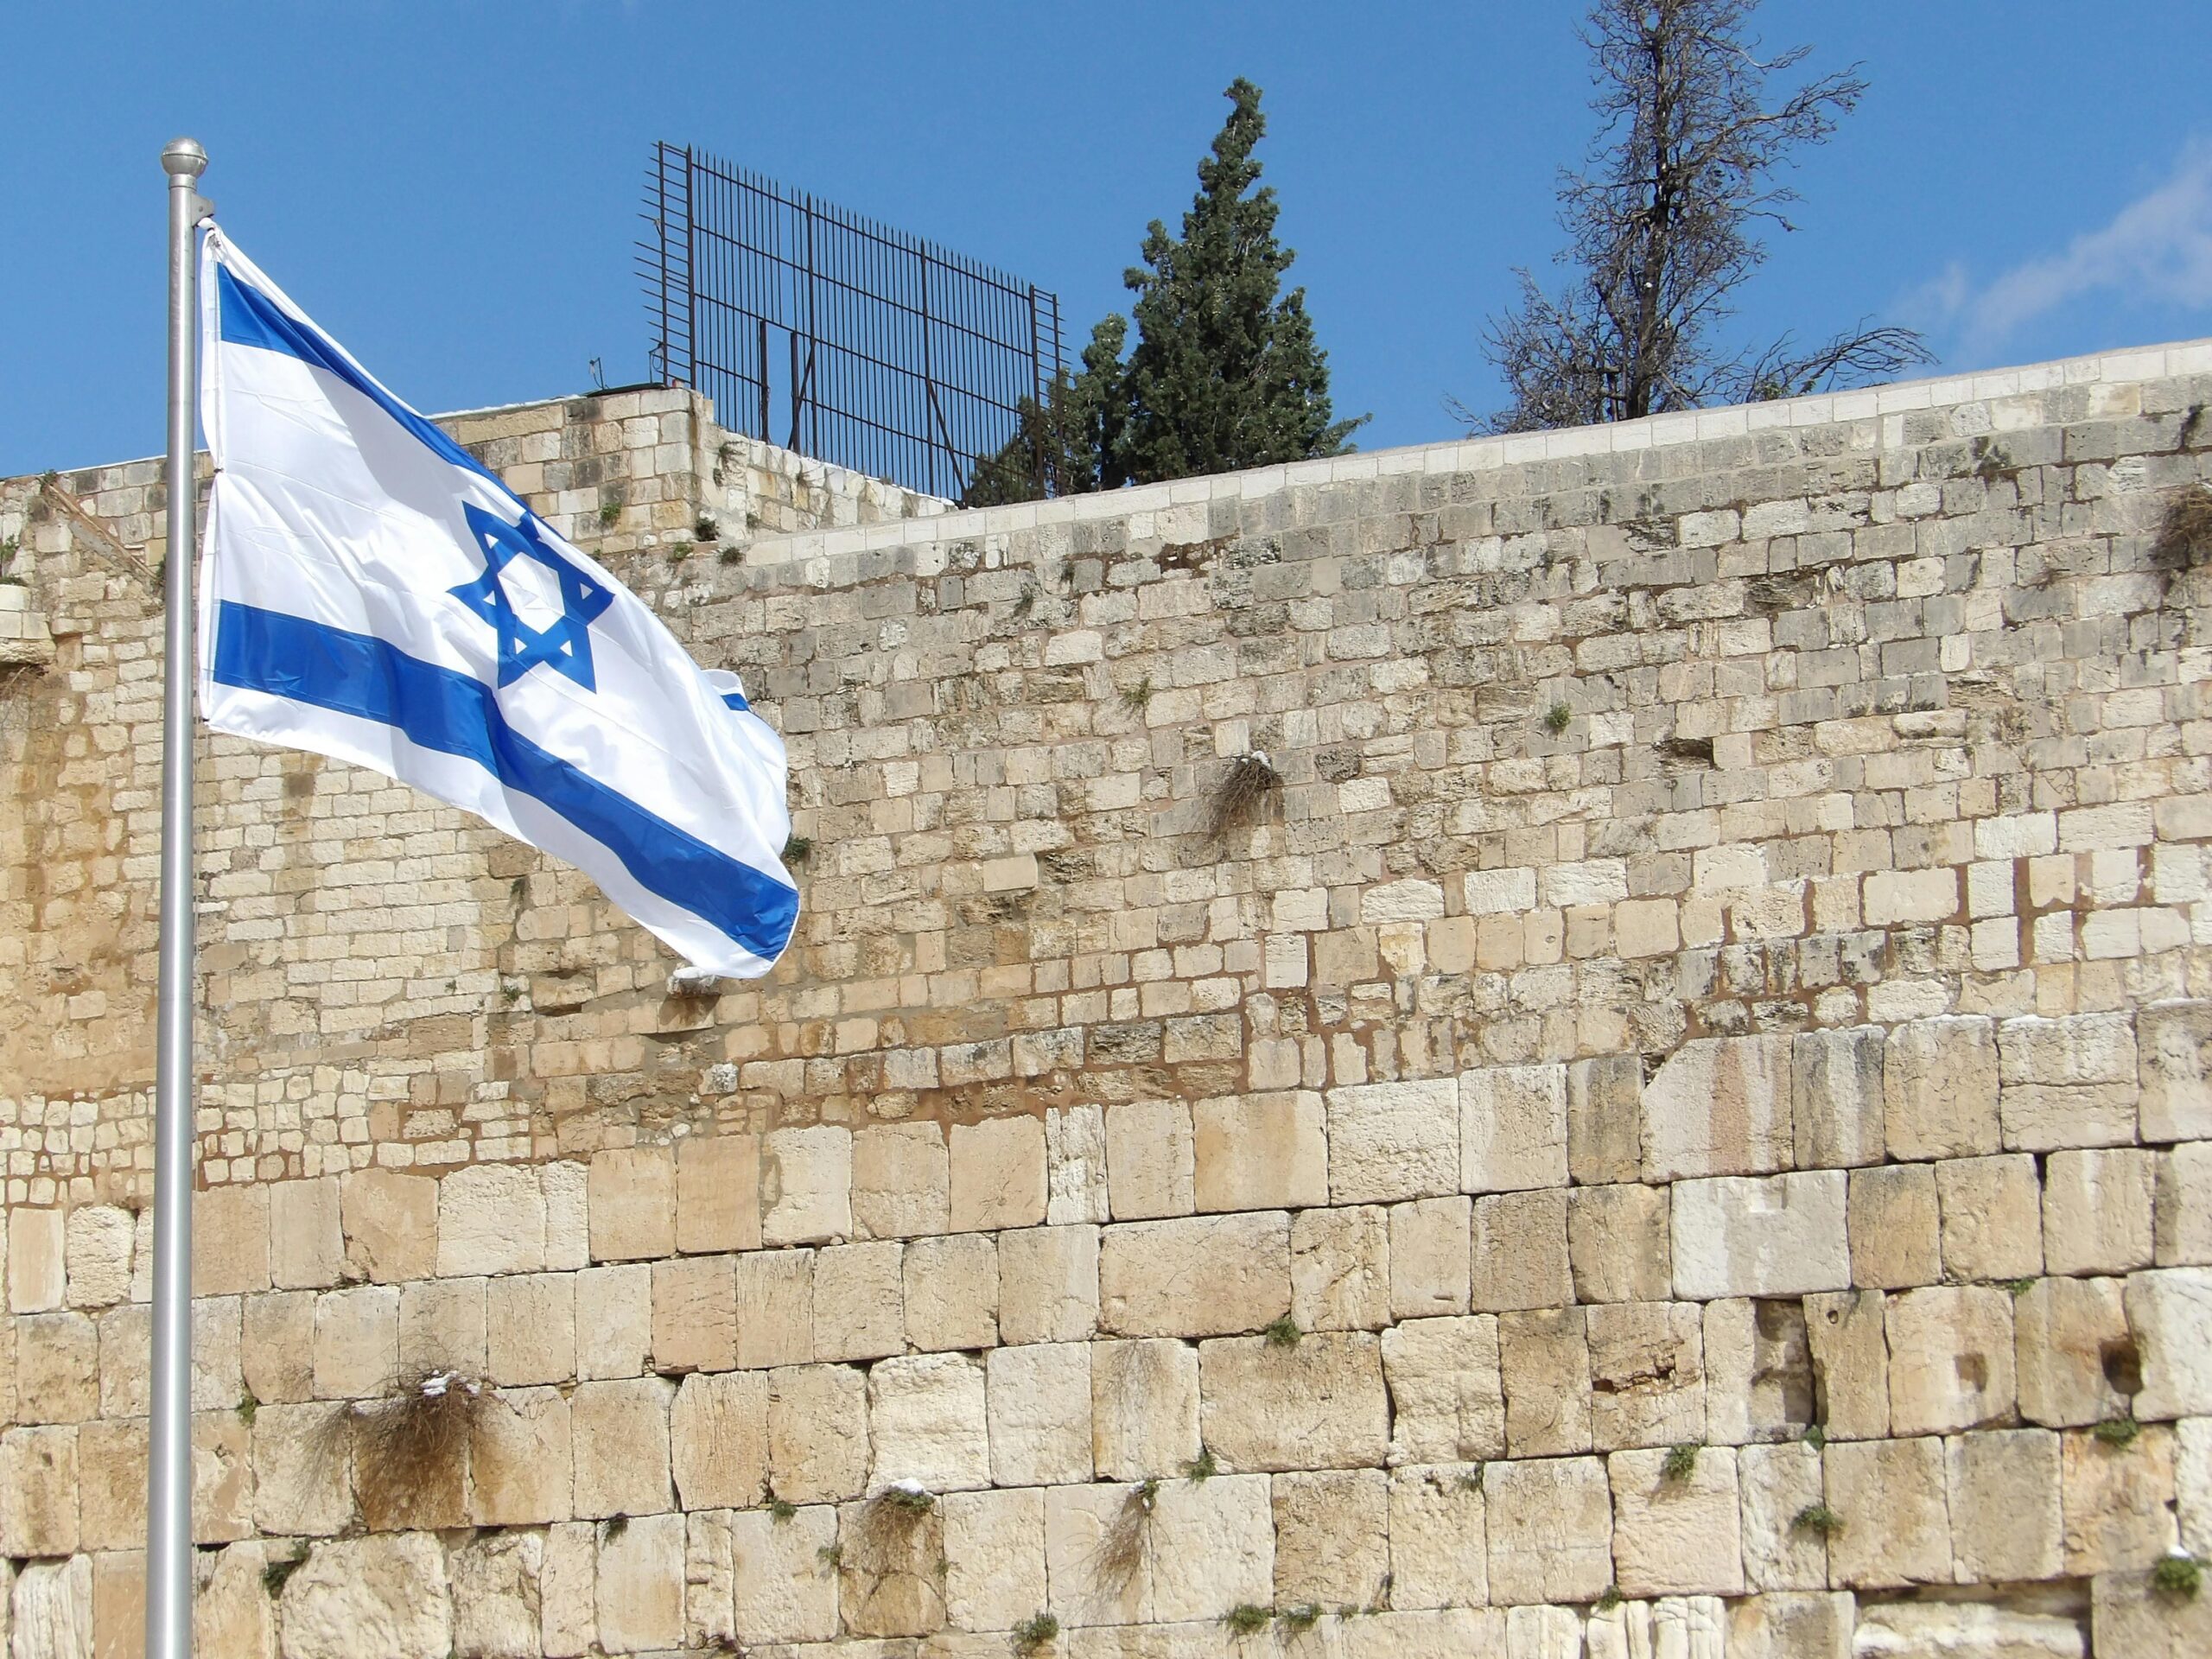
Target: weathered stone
891 1568
1991 1218
1214 1546
1039 1414
1100 1546
2070 1337
775 1308
927 1418
2182 1217
1048 1284
2118 1500
2174 1070
1951 1359
997 1175
1512 1127
1151 1163
1647 1373
1544 1365
718 1193
641 1589
1785 1236
1676 1535
1075 1176
495 1610
2070 1081
783 1588
1847 1344
567 1590
1429 1257
806 1185
1260 1152
1440 1555
1777 1483
1316 1403
718 1440
57 1367
1616 1244
389 1221
111 1493
51 1610
522 1464
952 1292
1838 1107
381 1595
2169 1310
1550 1530
1604 1127
1340 1269
303 1485
631 1194
357 1342
1890 1496
530 1328
1519 1252
2129 1614
1144 1408
442 1327
994 1558
1393 1140
1720 1106
232 1613
2003 1493
817 1432
619 1431
1939 1088
1968 1627
222 1478
1332 1533
1205 1275
859 1309
37 1260
1894 1227
307 1248
900 1181
97 1244
614 1319
2097 1210
491 1219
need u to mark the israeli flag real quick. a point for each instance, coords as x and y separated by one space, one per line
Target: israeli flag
370 591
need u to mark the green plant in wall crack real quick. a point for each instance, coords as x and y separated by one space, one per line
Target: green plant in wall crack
1248 1618
1035 1632
1558 718
1819 1519
247 1405
2118 1433
1611 1599
1680 1463
1303 1616
781 1509
908 1497
1201 1468
2178 1575
1282 1332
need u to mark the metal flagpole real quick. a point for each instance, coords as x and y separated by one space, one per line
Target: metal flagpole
169 1470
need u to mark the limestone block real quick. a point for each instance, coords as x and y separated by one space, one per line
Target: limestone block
37 1260
1551 1633
303 1485
1144 1408
126 1338
567 1590
782 1588
994 1558
859 1302
1676 1535
620 1433
997 1175
2070 1081
718 1440
1260 1152
1317 1403
1968 1627
927 1418
1393 1140
1519 1252
1100 1546
891 1568
614 1319
1200 1277
1214 1546
1720 1106
2129 1615
1806 1625
1446 1390
230 1240
718 1193
522 1463
442 1327
491 1220
1440 1555
2097 1210
111 1484
1776 1484
97 1242
710 1571
1544 1365
631 1195
530 1328
2068 1335
817 1432
1939 1089
386 1595
1333 1531
232 1613
1604 1125
1890 1495
1991 1218
1895 1227
2182 1214
1616 1244
216 1382
900 1181
2002 1490
1848 1346
2118 1500
57 1367
775 1308
356 1341
1075 1169
389 1222
2174 1070
1512 1127
1429 1257
307 1249
1647 1373
51 1610
2170 1309
952 1292
276 1349
1039 1414
567 1186
1837 1104
1550 1530
1784 1235
1048 1284
497 1612
222 1478
806 1185
640 1594
1950 1359
1151 1159
1340 1269
2193 1483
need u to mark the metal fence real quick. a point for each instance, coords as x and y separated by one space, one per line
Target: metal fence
833 335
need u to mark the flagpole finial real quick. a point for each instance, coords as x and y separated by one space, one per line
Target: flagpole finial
184 158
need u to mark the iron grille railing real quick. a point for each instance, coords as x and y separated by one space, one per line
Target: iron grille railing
833 335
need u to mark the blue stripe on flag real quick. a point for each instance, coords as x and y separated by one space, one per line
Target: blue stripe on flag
258 650
249 317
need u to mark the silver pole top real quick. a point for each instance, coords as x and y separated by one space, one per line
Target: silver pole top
184 159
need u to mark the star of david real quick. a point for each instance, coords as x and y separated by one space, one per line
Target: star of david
565 643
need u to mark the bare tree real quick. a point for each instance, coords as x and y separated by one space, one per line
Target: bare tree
1663 222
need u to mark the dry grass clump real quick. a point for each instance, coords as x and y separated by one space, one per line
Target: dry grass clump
410 1449
1122 1548
1242 795
2184 538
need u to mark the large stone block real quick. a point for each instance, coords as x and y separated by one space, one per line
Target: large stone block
37 1260
1519 1252
1950 1359
614 1319
1890 1496
2118 1500
1647 1373
994 1558
2003 1492
386 1595
1604 1124
1616 1244
1317 1403
57 1367
51 1610
997 1175
442 1327
1544 1365
1991 1218
1512 1127
775 1308
817 1433
497 1610
1101 1543
1939 1088
111 1495
230 1240
97 1245
2174 1069
2181 1213
2070 1340
1439 1552
1782 1235
1151 1163
718 1440
619 1431
1720 1106
927 1417
1429 1257
1838 1108
2170 1309
952 1292
859 1301
631 1194
1214 1547
303 1485
1968 1627
389 1221
566 1587
2129 1614
491 1219
1332 1532
891 1568
1200 1277
1039 1414
2097 1208
1075 1173
1340 1269
1676 1535
357 1342
1393 1140
783 1589
2071 1082
1775 1485
1847 1346
306 1246
530 1328
718 1193
806 1183
901 1181
231 1612
1896 1228
1801 1625
1550 1530
640 1593
1446 1394
1261 1152
1048 1284
522 1464
1144 1408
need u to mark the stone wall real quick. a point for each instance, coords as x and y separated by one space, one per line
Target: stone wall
1669 1111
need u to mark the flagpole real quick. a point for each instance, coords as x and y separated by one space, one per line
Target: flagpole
169 1469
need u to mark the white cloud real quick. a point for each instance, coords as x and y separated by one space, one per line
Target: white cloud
2157 249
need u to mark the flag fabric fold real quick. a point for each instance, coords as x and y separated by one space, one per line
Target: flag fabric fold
369 590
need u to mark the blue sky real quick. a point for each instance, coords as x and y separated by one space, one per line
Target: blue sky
451 187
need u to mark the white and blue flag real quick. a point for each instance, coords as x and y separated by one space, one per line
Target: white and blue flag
370 591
